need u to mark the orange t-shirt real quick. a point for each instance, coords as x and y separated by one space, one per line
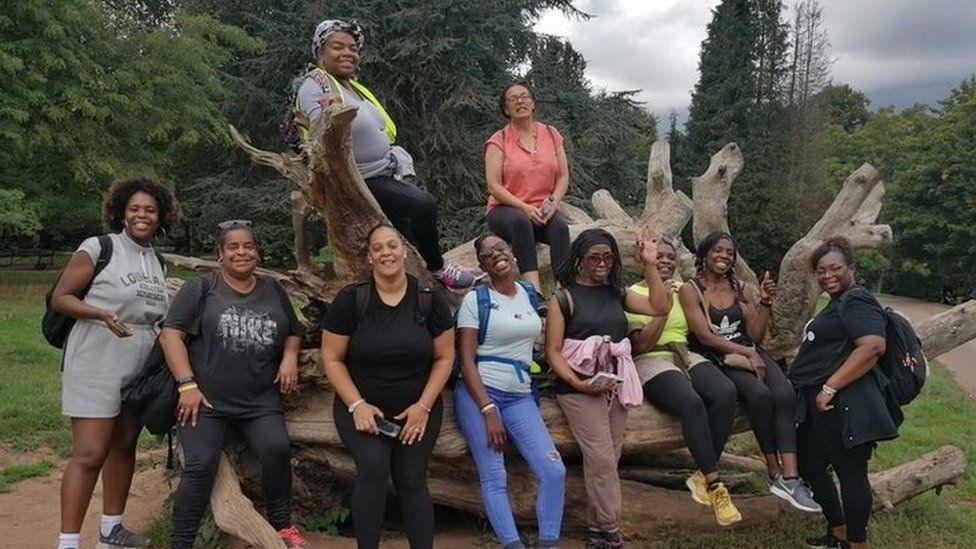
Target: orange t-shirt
530 176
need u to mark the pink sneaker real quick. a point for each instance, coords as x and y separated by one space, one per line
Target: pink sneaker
293 538
456 276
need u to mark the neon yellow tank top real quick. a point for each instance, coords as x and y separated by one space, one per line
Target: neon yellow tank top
675 329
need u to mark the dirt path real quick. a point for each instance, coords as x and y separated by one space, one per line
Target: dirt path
960 360
30 513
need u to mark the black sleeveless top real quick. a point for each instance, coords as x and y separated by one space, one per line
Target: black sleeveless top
729 323
597 310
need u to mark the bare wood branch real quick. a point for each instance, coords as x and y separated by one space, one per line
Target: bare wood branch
607 208
291 166
299 224
852 214
235 514
948 329
574 215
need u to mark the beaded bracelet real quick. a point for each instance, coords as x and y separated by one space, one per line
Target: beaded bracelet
186 387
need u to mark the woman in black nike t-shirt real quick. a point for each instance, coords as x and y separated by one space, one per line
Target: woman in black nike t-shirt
231 339
842 408
388 349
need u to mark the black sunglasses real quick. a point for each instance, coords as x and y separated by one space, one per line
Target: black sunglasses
233 223
499 246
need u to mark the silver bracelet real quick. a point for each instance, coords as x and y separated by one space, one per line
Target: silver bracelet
828 390
352 407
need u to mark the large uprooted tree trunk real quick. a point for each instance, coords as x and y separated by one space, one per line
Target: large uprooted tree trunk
327 174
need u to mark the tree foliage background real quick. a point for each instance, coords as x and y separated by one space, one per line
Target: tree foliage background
95 90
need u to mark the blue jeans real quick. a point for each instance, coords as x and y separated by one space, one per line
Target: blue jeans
525 428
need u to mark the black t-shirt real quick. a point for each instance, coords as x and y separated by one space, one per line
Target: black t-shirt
390 353
827 339
235 343
597 310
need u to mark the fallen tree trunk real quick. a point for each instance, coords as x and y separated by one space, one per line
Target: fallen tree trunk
339 196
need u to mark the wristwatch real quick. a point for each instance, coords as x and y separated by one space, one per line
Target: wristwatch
184 379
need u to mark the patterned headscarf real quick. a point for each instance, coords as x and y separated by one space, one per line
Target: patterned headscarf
327 28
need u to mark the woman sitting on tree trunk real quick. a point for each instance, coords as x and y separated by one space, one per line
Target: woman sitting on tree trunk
842 408
588 349
726 328
388 349
387 169
686 384
495 402
230 337
527 174
111 338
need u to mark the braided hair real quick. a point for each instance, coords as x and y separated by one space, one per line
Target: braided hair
569 269
706 246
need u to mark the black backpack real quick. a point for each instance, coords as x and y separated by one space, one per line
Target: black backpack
903 363
425 300
56 326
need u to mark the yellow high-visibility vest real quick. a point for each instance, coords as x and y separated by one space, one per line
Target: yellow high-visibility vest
389 127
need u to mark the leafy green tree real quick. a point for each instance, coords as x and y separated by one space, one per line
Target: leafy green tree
18 216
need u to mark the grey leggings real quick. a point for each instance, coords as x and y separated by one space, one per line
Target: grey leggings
512 225
771 405
265 436
706 405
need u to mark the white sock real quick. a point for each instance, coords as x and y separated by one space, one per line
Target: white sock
109 522
69 541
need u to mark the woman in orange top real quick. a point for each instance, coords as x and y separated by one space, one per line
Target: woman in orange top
527 175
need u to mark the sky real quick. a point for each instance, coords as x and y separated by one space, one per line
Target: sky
898 52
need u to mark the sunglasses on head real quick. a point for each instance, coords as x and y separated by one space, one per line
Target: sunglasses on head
233 223
500 246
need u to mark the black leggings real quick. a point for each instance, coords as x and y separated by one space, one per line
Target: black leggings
706 405
265 436
820 446
771 405
413 211
376 456
512 225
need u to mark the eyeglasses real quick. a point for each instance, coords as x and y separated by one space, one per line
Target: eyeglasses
596 259
830 271
520 97
233 223
500 246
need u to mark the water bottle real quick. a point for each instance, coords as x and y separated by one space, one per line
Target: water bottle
547 205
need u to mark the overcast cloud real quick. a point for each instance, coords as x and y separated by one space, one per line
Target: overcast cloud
898 52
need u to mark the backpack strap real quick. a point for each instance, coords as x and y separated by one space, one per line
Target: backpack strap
533 294
425 302
161 260
702 300
565 300
483 298
362 290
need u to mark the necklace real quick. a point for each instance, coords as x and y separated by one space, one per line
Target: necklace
251 284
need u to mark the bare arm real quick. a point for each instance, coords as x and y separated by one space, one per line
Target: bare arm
334 347
562 177
77 274
287 377
173 343
441 368
698 324
757 319
644 339
469 370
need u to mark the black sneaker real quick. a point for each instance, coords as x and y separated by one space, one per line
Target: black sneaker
827 541
122 537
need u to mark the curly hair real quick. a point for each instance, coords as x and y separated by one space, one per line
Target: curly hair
113 207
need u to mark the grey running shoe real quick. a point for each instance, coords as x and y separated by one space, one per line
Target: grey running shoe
456 276
123 537
794 491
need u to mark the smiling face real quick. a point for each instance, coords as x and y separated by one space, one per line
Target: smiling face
666 260
386 253
141 216
238 252
339 55
834 274
721 257
597 262
519 103
495 258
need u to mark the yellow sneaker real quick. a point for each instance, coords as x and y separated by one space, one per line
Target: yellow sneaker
699 488
725 511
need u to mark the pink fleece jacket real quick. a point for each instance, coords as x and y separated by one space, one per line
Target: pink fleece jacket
588 356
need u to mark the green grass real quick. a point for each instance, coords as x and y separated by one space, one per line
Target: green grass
23 471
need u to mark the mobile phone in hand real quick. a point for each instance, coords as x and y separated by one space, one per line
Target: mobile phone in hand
387 427
118 327
604 378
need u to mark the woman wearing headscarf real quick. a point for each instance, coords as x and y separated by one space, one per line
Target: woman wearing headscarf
387 169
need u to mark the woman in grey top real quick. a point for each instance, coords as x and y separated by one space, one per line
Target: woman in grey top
114 332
